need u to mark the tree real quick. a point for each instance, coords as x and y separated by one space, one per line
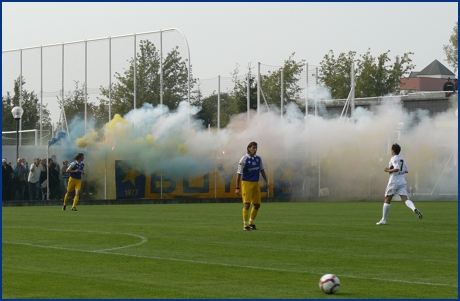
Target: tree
31 106
240 91
451 50
271 84
175 81
335 73
373 77
74 104
208 112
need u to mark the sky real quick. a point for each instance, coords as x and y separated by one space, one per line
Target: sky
222 35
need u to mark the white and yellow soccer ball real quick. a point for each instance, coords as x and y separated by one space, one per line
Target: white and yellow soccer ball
329 283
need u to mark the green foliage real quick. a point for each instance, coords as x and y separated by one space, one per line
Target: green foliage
335 73
240 91
208 112
74 104
373 76
157 251
271 84
376 77
451 50
175 81
31 106
231 104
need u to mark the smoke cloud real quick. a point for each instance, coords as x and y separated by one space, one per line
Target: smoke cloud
345 156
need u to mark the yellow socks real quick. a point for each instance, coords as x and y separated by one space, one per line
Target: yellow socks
254 212
75 200
66 198
245 216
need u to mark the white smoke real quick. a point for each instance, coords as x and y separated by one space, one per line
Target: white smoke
348 156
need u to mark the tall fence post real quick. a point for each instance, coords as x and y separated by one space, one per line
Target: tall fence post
248 95
258 88
282 92
218 103
306 92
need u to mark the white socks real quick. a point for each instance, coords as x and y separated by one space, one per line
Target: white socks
409 204
386 209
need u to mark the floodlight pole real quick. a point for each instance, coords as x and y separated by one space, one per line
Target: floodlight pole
17 114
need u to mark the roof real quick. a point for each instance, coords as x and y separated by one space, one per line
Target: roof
414 73
436 68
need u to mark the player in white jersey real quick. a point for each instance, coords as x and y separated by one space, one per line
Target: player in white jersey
396 184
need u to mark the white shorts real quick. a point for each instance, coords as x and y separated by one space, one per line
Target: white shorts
393 189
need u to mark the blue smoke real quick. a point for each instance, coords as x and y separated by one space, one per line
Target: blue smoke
59 135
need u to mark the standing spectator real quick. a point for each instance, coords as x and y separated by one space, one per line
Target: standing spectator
7 181
396 184
448 86
34 180
250 167
20 170
76 170
455 85
58 168
43 178
26 175
65 174
53 157
53 180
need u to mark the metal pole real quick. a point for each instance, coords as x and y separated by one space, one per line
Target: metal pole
17 138
306 91
41 93
258 88
316 94
135 71
86 83
161 67
282 92
110 79
218 103
352 89
62 83
47 172
20 97
248 95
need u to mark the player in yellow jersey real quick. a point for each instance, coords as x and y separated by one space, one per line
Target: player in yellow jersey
250 167
76 169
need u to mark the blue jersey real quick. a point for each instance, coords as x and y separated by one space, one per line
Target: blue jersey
74 166
250 167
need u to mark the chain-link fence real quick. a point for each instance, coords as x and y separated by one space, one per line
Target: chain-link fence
53 71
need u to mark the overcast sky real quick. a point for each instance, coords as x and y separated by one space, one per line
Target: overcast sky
221 35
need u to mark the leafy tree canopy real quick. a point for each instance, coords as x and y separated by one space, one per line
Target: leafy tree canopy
74 104
271 83
373 76
31 106
175 81
451 50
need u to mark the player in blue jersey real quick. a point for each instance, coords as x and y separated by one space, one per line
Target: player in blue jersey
76 169
247 184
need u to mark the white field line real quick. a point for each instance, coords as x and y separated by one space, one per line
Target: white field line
143 240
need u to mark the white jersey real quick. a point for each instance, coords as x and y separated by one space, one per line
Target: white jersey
398 176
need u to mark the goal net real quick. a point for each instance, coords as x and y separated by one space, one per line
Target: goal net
26 137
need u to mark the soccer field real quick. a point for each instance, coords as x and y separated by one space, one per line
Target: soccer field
201 251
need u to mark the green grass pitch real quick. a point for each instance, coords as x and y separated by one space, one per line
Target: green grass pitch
201 251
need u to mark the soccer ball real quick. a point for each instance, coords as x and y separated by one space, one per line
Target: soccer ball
329 283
